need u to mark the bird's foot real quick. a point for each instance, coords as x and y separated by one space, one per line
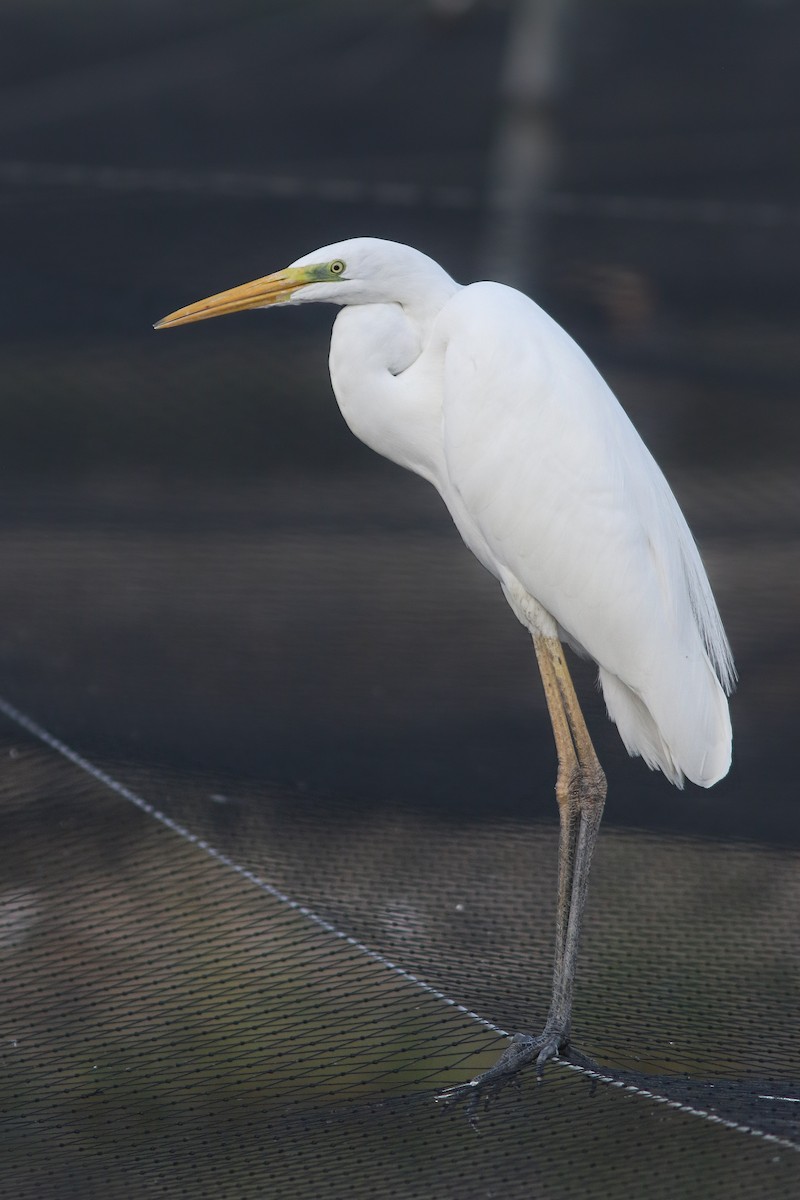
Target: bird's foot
522 1051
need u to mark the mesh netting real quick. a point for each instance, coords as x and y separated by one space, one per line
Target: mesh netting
276 776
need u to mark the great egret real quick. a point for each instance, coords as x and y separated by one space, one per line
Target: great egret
479 391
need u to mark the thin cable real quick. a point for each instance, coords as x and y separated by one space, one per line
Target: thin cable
287 187
120 789
54 743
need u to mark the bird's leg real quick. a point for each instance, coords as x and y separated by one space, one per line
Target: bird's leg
581 792
568 801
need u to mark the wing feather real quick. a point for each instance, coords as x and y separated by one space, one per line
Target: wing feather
551 485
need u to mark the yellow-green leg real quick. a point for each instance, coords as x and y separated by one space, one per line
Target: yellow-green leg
581 793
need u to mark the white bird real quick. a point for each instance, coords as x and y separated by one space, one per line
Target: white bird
480 392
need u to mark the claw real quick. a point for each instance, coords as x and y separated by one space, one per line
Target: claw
522 1051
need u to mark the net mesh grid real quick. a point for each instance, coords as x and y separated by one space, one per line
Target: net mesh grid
238 1045
174 1024
226 1018
256 981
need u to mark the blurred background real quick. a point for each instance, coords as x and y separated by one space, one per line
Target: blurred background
275 640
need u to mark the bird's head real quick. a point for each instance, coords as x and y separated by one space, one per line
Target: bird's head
359 271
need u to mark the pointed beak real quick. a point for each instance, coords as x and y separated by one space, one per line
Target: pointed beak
272 289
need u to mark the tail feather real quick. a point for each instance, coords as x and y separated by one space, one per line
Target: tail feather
692 735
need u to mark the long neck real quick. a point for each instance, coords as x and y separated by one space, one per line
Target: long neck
386 384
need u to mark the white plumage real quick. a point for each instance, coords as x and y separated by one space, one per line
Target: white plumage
480 392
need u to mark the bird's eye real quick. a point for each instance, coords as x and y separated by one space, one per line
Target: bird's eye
337 267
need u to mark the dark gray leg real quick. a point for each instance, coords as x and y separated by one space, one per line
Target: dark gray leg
581 792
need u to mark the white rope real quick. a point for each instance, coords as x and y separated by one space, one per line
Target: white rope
120 789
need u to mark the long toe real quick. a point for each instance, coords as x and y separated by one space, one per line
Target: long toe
551 1046
522 1050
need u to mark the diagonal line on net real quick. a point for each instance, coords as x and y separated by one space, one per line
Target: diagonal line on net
120 789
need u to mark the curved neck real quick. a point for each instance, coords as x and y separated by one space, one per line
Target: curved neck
379 371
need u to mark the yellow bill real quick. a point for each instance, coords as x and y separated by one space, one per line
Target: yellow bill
272 289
